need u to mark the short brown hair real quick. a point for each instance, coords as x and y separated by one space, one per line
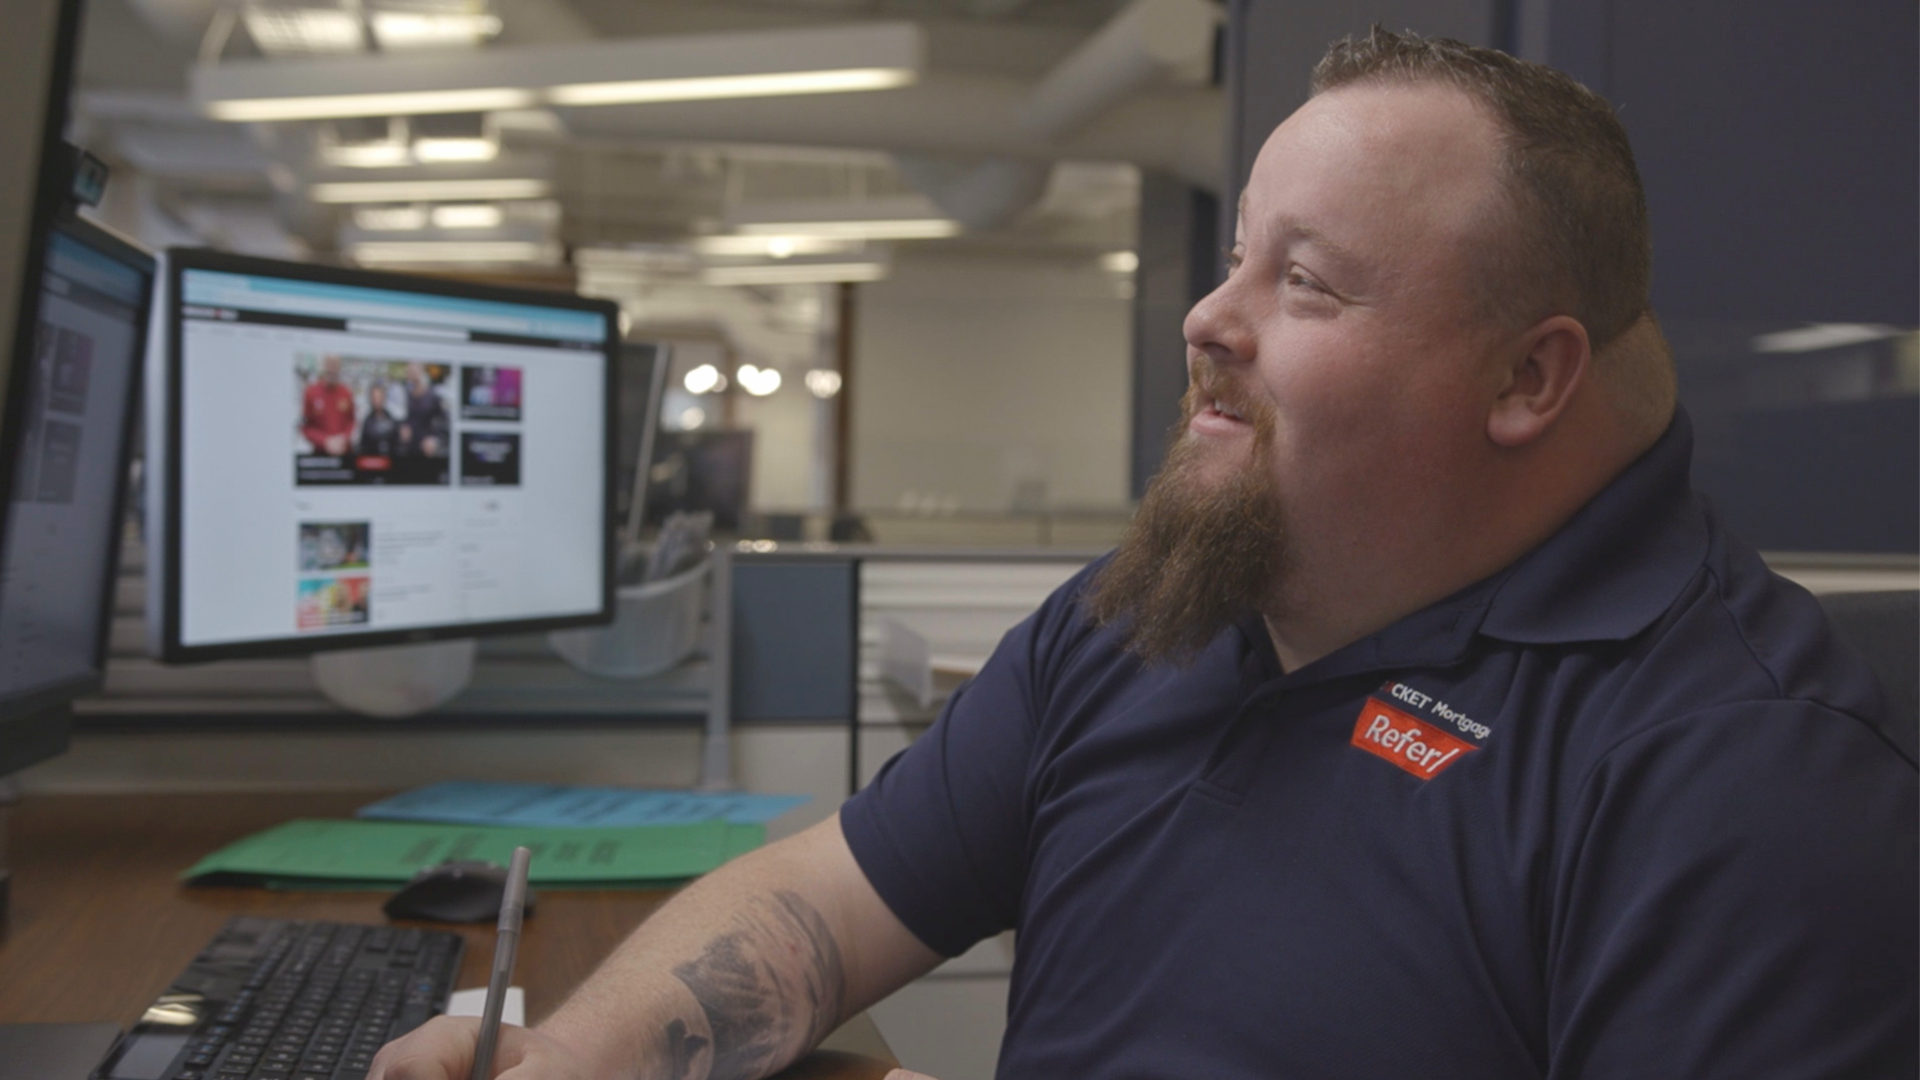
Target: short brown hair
1579 229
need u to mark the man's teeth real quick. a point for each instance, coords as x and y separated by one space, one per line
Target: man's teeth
1221 407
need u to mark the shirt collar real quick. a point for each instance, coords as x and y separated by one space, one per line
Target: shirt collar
1614 567
1618 564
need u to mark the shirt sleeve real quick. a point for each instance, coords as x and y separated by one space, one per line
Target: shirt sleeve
1737 899
941 832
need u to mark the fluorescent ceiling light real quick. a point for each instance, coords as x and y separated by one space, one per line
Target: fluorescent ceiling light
286 31
398 30
793 273
324 106
823 383
475 216
1120 262
355 191
391 218
851 229
779 247
454 251
683 67
730 86
1817 336
758 381
378 155
704 379
436 150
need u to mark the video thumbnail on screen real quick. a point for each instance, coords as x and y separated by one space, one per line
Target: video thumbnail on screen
489 393
334 545
489 458
327 602
371 421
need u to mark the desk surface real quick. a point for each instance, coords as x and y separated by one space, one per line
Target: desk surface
98 925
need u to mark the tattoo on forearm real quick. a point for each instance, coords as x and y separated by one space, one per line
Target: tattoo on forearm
683 1047
770 984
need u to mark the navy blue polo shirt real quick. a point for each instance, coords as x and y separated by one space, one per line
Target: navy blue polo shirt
1625 809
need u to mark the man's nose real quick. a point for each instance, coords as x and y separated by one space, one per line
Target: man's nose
1217 326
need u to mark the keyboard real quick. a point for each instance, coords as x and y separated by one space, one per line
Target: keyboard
283 999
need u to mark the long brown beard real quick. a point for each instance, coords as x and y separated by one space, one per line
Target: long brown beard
1201 551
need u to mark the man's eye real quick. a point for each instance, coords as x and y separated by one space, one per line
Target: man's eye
1233 258
1298 279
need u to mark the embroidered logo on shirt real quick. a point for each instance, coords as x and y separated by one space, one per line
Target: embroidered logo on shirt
1435 710
1416 746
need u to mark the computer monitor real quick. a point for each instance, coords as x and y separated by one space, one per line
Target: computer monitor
348 458
643 374
78 405
696 471
36 66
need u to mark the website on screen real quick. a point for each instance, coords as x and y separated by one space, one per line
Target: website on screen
358 459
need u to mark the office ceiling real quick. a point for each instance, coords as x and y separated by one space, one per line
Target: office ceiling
653 176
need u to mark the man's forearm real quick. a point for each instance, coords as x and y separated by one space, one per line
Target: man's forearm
771 986
742 972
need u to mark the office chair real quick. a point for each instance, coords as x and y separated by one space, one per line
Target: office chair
1885 628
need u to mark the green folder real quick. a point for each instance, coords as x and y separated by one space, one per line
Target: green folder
379 854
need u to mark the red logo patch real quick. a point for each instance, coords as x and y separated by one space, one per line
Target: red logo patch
1415 745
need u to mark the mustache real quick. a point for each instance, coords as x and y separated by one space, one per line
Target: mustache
1206 384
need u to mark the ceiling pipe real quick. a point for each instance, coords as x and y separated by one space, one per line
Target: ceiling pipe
178 22
979 195
1147 41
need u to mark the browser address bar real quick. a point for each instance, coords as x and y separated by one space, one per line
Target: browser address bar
376 326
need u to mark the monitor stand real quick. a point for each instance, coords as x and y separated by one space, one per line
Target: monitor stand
395 680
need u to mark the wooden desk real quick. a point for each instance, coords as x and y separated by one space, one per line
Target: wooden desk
98 925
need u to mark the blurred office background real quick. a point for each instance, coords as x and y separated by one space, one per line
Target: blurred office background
948 313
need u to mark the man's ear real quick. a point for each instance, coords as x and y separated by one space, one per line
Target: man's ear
1552 363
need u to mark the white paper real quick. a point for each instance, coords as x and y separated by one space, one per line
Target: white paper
474 1002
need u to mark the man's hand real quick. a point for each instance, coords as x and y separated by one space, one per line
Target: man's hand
442 1049
734 978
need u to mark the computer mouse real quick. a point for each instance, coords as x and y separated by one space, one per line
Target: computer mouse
453 892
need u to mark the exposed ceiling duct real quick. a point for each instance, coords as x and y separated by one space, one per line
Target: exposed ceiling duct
979 195
1148 41
181 22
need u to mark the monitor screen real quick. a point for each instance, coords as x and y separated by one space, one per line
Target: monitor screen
359 458
69 467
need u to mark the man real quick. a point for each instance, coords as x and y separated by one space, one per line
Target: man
379 432
1425 724
424 434
326 411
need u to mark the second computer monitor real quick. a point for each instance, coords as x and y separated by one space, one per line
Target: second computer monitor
80 384
357 458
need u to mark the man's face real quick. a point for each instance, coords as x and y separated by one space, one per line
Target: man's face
1352 314
330 370
1339 378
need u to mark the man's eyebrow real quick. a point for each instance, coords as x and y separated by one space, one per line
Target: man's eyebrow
1294 231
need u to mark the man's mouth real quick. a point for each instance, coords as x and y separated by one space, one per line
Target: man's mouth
1227 410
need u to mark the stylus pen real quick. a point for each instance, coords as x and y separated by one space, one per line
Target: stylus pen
512 906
